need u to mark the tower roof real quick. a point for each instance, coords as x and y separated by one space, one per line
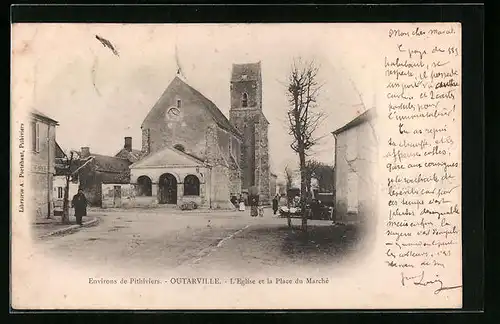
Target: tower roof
251 70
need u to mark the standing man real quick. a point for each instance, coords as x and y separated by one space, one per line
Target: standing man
79 202
275 204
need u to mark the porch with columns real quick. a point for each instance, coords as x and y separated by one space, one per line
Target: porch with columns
162 189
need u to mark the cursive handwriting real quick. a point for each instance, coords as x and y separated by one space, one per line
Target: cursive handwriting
419 280
422 73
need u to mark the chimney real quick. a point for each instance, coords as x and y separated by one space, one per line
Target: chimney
85 152
128 143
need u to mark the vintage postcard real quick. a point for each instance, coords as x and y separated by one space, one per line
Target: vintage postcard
236 166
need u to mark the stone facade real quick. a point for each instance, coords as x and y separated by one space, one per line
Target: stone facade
182 116
146 141
262 172
118 196
247 116
356 155
42 150
185 132
180 173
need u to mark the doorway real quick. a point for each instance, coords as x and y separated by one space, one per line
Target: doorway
117 196
168 189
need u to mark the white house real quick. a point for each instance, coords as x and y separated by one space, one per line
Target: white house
58 185
356 154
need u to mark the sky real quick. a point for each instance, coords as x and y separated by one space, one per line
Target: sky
98 98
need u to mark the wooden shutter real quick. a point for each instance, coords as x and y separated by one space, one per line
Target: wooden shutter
37 137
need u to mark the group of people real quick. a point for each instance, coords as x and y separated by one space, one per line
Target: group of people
241 204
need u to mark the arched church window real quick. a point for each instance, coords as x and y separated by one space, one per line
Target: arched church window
191 185
179 103
179 147
244 99
144 186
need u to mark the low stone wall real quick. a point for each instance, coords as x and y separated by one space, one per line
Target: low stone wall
185 199
110 201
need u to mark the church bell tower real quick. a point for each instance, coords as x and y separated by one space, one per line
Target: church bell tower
247 116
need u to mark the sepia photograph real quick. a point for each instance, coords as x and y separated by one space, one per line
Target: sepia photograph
181 166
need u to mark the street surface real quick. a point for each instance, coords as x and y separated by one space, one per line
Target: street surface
200 240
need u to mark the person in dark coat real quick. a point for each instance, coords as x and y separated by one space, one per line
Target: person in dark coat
275 204
79 203
234 201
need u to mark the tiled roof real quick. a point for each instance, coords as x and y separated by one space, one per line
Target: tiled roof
214 111
61 166
136 153
106 163
132 156
112 169
251 70
218 116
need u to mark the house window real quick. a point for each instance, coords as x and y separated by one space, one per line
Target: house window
35 136
179 103
60 192
244 99
191 185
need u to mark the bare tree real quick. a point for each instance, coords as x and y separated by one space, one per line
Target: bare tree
69 164
288 178
289 183
303 119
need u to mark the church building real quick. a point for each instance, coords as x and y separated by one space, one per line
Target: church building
192 153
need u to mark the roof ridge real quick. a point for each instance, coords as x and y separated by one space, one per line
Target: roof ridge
107 156
368 113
